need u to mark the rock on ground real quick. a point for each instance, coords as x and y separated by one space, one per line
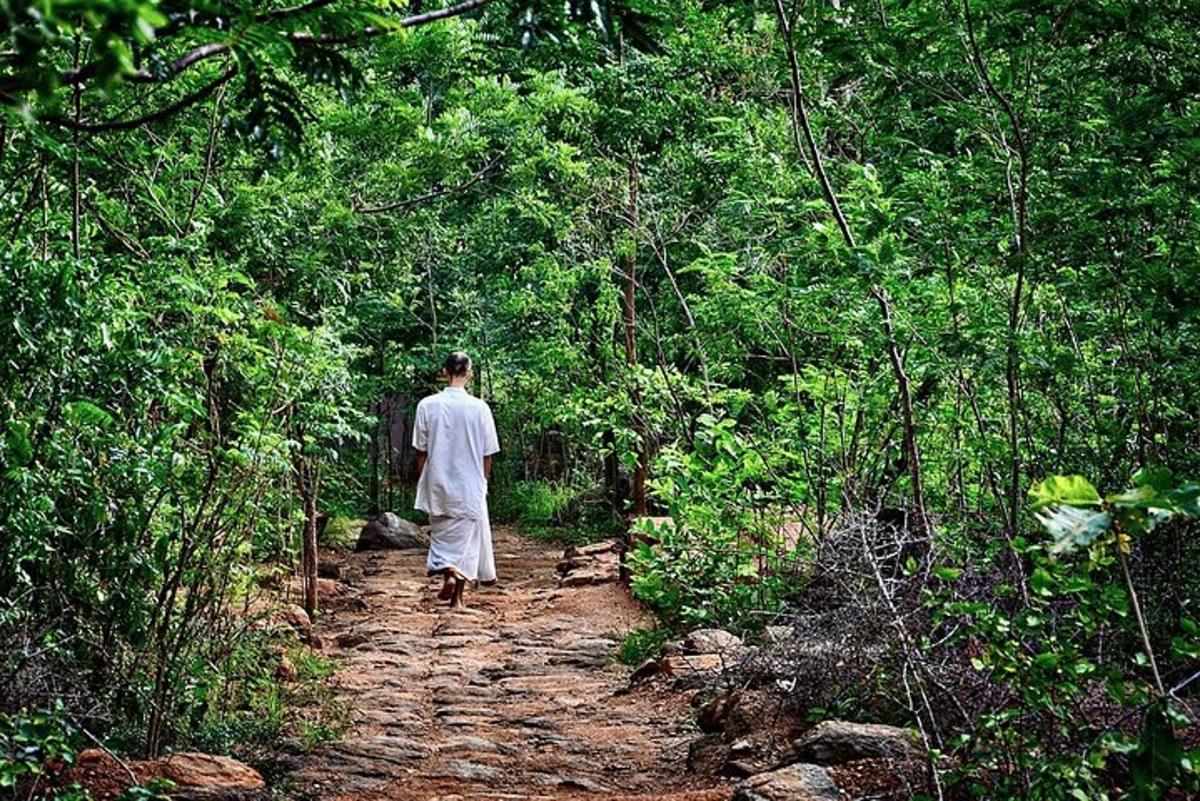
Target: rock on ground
584 565
389 531
197 777
711 641
594 549
799 782
832 742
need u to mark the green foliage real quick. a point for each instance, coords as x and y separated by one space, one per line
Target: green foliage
1047 653
538 502
552 511
1075 514
32 743
641 644
265 276
723 557
341 532
249 711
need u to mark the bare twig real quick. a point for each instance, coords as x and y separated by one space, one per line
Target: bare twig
99 744
213 129
801 121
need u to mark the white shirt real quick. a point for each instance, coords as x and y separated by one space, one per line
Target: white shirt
455 431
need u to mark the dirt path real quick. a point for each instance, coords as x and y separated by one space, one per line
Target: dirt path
520 701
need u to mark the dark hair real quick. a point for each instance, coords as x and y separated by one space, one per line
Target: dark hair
457 363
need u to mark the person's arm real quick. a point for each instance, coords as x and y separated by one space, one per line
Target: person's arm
491 443
420 439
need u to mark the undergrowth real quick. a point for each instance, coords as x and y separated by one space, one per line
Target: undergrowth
641 644
273 698
341 532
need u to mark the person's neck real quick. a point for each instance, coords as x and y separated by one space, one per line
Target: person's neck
456 383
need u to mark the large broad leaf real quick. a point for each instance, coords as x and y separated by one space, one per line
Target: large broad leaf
1064 491
1072 527
1159 756
86 414
1160 479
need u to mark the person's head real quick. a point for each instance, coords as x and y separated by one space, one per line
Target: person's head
457 368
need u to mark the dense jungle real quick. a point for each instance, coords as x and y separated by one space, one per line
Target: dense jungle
867 333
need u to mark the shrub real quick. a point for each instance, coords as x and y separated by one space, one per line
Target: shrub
722 559
341 532
30 743
641 644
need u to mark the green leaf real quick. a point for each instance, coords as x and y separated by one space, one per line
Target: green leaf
1158 758
1042 582
1065 491
947 573
1159 479
86 413
1047 660
1073 528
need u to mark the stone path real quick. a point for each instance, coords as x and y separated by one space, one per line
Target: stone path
520 701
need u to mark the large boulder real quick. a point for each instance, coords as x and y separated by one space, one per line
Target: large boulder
799 782
390 531
833 742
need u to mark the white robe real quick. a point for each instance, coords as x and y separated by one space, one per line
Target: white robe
463 545
456 431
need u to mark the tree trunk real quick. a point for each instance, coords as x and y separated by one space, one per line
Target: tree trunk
803 136
379 406
630 310
77 101
307 484
912 453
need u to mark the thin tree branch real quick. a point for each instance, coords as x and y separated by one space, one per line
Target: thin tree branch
455 10
146 119
213 128
801 121
303 8
205 51
433 194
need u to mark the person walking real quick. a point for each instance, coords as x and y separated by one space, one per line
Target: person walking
454 436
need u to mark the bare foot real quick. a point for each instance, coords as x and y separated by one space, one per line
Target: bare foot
447 589
463 609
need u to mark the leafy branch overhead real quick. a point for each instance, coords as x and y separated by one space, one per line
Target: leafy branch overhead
201 47
59 51
1075 514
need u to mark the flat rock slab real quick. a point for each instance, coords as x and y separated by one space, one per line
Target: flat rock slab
520 699
799 782
833 742
195 776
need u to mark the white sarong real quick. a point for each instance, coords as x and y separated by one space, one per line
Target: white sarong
464 545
